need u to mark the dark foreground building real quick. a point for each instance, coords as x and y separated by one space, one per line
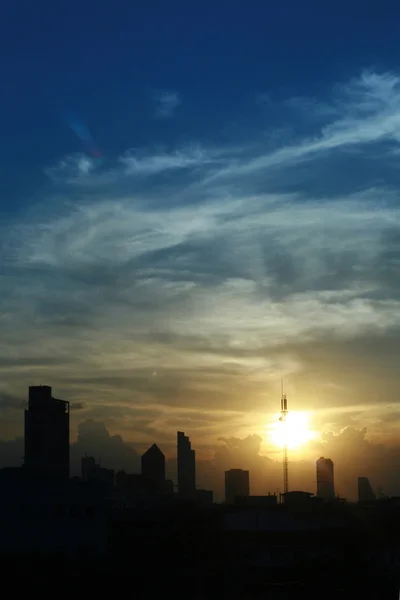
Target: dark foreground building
46 434
153 467
186 467
325 479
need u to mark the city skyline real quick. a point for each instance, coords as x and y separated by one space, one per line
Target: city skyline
48 448
189 215
200 298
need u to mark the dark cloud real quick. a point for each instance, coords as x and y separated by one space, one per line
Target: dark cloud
353 453
11 453
7 401
78 406
94 439
356 456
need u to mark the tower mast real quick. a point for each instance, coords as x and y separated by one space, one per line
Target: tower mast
283 418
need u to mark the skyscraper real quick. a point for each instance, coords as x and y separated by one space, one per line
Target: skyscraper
46 434
186 467
237 485
153 467
365 492
325 479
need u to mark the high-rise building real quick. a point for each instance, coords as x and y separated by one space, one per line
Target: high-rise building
186 467
365 492
153 467
237 485
46 434
325 479
88 464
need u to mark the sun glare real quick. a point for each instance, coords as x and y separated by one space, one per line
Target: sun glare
295 431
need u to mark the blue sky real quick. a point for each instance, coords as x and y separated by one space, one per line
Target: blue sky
243 223
102 61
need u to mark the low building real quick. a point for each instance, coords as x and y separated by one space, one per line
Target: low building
205 497
298 497
93 471
269 500
66 517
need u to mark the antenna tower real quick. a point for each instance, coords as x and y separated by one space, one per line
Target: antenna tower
283 418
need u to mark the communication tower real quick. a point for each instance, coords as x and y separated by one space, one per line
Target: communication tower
283 419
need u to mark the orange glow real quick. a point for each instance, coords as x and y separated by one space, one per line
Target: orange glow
296 431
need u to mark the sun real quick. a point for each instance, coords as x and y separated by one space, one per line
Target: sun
295 432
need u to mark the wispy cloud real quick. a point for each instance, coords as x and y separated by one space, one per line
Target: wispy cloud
137 163
166 103
221 280
75 166
366 110
82 172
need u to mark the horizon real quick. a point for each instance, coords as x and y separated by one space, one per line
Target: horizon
266 473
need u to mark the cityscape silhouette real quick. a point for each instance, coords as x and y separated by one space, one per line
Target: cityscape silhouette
200 299
103 523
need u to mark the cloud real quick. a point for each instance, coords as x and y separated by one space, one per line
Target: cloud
374 460
74 167
78 406
186 282
151 164
366 110
166 103
80 173
94 439
8 401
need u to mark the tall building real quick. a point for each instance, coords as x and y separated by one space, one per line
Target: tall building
153 467
46 434
325 479
365 492
186 467
237 485
88 465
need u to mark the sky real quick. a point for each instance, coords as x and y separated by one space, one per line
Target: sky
196 201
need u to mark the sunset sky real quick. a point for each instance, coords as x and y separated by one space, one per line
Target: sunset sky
242 224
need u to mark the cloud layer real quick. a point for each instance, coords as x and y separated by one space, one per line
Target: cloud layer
175 289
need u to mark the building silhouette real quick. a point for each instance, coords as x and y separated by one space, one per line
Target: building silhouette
297 497
325 479
257 501
46 434
237 485
186 467
53 518
153 467
205 497
94 472
131 485
365 492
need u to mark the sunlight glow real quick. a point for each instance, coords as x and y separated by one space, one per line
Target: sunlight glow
295 431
